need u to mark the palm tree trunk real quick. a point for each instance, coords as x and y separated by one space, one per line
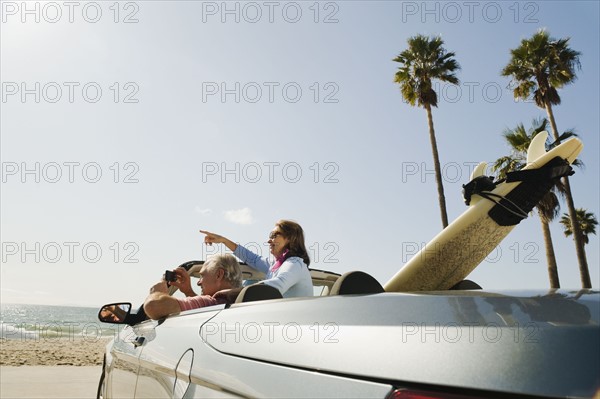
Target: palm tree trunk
550 257
577 234
438 169
584 271
552 121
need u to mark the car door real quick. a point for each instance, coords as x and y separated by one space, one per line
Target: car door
167 353
123 365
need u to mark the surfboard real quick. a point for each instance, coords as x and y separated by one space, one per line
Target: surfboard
458 249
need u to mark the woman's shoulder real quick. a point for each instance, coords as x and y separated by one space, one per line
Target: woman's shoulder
296 260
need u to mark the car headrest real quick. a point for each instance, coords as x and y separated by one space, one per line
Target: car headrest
466 285
356 282
258 292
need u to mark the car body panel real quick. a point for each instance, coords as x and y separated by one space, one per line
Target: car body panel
436 339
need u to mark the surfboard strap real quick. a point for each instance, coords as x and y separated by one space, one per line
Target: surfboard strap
478 185
516 205
507 205
544 173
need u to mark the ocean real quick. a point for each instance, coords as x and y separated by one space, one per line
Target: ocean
43 322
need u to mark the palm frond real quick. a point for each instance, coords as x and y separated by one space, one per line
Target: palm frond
423 61
540 66
587 222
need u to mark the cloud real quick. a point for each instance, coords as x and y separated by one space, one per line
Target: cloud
239 216
203 212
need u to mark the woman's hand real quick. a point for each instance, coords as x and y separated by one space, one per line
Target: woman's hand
212 238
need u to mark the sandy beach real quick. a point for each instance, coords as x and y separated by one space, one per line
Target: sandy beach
59 368
52 352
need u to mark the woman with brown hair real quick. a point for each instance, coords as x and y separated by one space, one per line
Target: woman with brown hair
288 269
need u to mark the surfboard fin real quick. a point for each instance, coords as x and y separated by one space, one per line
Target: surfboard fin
479 170
537 147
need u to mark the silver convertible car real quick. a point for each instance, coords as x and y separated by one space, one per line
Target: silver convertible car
356 341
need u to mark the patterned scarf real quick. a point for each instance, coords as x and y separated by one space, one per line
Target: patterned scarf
279 261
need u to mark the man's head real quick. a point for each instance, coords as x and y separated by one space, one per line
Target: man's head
220 272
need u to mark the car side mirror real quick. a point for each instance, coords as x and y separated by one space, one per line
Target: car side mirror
114 313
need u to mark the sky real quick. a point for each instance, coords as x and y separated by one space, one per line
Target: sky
126 127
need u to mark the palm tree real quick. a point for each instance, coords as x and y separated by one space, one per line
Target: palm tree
538 67
587 223
548 208
424 60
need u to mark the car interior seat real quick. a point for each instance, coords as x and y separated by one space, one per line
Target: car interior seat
258 292
356 282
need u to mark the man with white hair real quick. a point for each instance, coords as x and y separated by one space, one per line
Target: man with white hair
220 272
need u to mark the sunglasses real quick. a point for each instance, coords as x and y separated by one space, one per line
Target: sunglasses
274 234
